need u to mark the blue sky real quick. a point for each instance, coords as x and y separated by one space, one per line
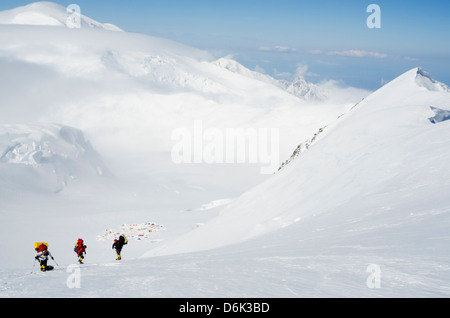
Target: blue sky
330 37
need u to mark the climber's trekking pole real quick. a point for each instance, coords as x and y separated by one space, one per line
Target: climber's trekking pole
32 271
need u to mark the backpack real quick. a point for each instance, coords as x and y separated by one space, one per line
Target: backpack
79 246
79 243
123 240
40 247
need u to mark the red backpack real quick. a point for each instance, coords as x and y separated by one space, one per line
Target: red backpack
79 247
42 248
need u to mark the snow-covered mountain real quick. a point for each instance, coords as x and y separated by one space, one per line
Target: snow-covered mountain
51 14
130 92
363 212
46 157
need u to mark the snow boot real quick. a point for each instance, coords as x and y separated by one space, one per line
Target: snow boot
80 260
118 257
45 268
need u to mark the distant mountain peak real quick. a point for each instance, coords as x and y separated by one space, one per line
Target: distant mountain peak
303 89
45 13
298 87
402 86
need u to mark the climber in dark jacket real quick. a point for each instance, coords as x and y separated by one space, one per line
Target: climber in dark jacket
118 245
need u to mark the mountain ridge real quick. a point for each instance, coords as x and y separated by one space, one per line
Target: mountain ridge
298 87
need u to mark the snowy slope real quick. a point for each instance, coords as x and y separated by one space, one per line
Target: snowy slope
50 14
375 181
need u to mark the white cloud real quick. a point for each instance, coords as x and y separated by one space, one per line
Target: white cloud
411 59
302 70
281 74
359 53
315 52
277 48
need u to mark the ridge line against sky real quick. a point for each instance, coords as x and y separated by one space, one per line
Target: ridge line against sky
328 38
